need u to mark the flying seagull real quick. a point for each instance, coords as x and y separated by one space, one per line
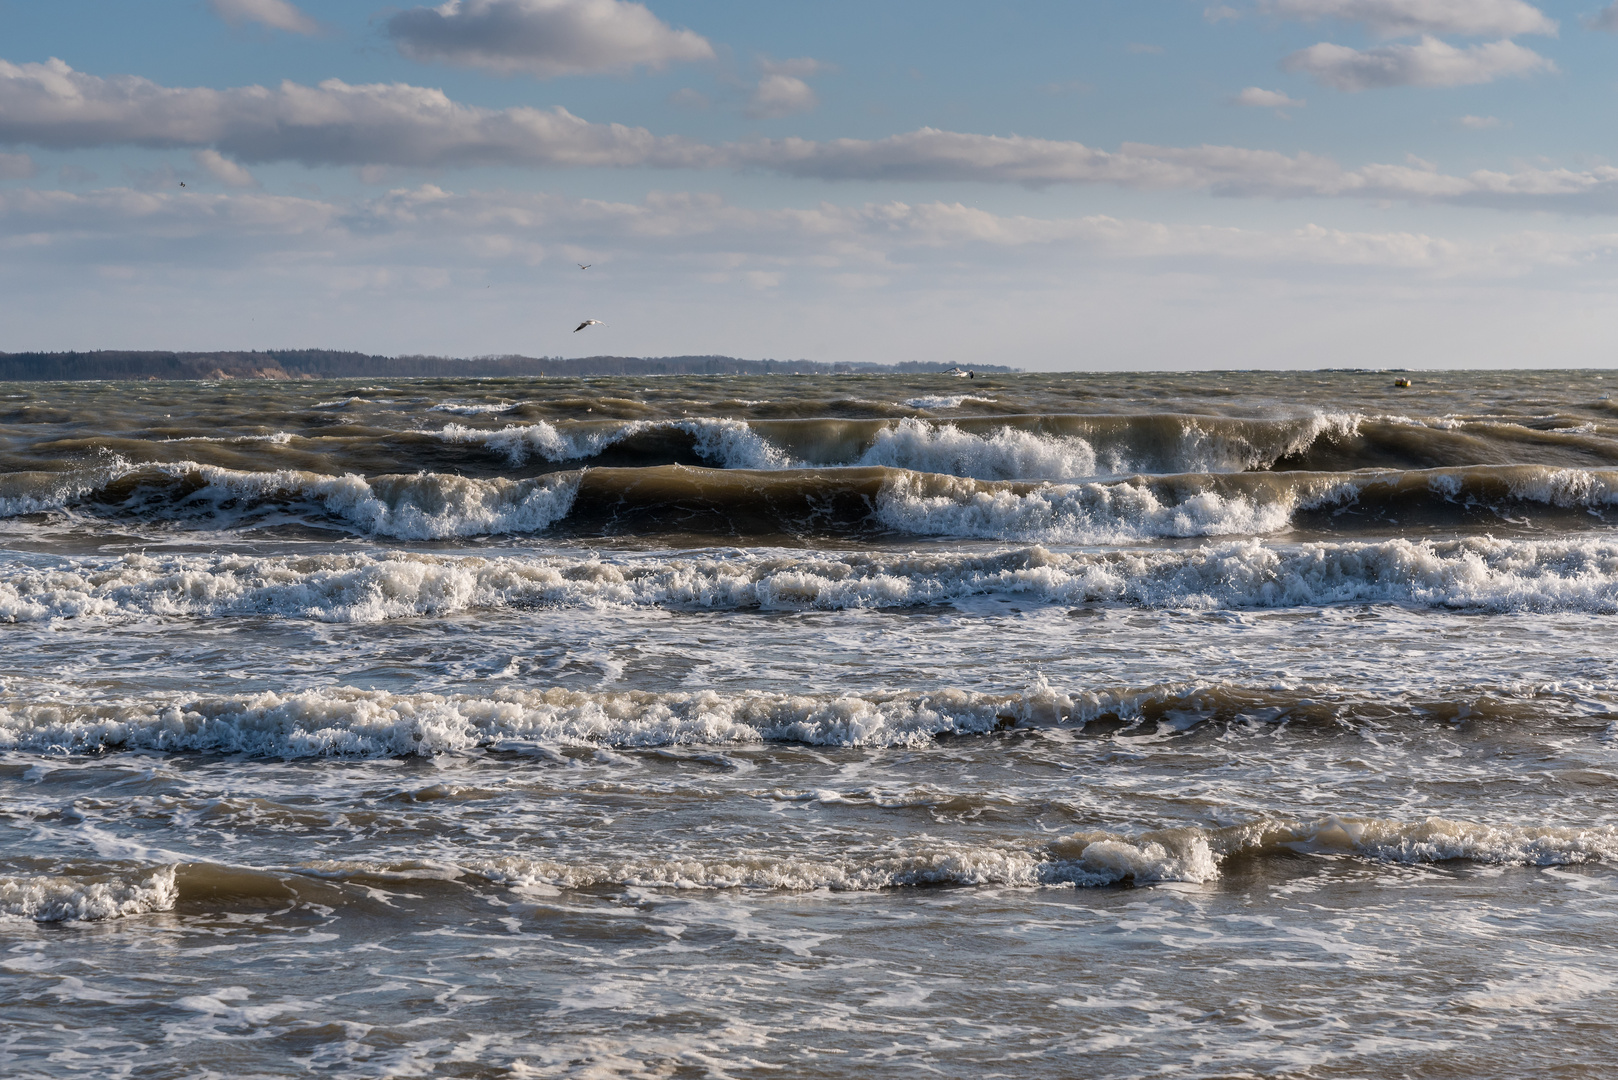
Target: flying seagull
588 322
585 266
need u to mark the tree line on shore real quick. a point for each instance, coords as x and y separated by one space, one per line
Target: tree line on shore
331 364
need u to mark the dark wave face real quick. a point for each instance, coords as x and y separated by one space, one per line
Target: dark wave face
854 501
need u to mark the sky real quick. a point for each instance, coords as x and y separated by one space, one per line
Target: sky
1050 184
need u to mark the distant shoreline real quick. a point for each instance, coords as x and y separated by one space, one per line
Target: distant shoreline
302 364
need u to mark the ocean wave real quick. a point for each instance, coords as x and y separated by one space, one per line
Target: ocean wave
841 501
1086 859
421 507
1059 446
468 408
1481 574
350 722
345 722
730 444
1142 508
1189 854
1007 453
1104 863
1096 513
945 401
48 898
1009 448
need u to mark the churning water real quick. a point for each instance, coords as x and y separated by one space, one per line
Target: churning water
1085 725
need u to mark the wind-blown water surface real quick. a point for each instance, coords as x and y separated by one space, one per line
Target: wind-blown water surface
1038 726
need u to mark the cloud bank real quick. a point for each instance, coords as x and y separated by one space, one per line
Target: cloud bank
335 123
544 38
477 230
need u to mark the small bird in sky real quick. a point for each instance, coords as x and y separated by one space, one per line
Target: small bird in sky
182 183
585 266
588 322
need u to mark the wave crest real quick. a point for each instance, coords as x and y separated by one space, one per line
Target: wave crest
44 898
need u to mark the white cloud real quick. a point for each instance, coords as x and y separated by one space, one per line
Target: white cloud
17 167
544 38
1480 123
222 169
335 123
781 90
1253 97
781 95
1407 18
1429 63
1605 19
276 14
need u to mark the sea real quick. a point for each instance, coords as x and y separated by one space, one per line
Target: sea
1231 724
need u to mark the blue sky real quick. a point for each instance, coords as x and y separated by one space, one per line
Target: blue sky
1157 184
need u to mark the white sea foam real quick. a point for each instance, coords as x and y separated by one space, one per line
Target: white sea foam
1476 574
730 444
360 723
1430 840
44 898
467 408
278 438
1007 454
1076 513
945 401
1109 862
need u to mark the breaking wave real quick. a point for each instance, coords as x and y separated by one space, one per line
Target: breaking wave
1475 574
945 401
421 507
349 722
731 444
1087 859
47 898
847 501
1002 448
